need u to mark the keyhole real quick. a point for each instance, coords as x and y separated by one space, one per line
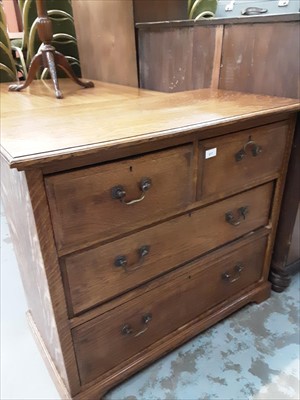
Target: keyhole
130 168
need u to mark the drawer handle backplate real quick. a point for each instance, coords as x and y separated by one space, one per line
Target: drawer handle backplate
118 192
121 261
241 215
251 147
127 330
226 276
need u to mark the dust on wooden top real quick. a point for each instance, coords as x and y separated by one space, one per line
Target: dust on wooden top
37 128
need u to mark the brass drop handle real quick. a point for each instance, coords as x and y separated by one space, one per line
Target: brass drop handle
226 276
118 192
241 215
127 330
121 261
251 146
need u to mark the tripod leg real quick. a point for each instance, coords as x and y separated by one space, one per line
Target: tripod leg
35 64
52 68
62 62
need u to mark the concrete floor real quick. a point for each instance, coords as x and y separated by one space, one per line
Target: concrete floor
254 354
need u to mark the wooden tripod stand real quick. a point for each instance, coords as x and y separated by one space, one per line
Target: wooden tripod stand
48 56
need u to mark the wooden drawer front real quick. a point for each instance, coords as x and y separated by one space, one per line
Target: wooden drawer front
115 336
235 164
93 276
82 206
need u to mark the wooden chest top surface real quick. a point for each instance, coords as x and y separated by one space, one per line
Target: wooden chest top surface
36 127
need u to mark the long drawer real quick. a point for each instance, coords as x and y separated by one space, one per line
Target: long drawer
228 163
99 202
99 274
114 337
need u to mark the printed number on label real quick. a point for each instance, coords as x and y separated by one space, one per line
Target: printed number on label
211 153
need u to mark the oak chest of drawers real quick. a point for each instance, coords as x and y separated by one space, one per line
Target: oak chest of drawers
139 219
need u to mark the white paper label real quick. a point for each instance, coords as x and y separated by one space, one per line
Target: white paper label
211 153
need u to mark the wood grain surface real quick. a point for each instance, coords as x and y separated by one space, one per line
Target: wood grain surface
244 54
101 345
119 134
103 123
53 371
93 277
287 244
106 40
84 210
96 389
175 60
223 173
256 59
157 10
22 197
261 19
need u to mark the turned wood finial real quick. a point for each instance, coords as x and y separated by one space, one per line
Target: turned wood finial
41 8
44 25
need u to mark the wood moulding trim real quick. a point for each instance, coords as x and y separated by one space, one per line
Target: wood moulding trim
202 130
215 76
99 156
44 229
61 388
217 21
278 194
286 232
98 388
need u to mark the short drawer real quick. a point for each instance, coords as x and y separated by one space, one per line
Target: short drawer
112 338
238 160
99 274
99 202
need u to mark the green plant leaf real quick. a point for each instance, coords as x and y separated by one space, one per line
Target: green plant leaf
202 8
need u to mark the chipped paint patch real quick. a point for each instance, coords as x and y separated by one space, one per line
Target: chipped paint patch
262 370
216 379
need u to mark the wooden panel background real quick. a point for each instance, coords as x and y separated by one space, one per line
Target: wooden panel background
262 58
158 10
174 60
13 15
106 40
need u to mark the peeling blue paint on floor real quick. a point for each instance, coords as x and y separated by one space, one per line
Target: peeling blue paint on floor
254 354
